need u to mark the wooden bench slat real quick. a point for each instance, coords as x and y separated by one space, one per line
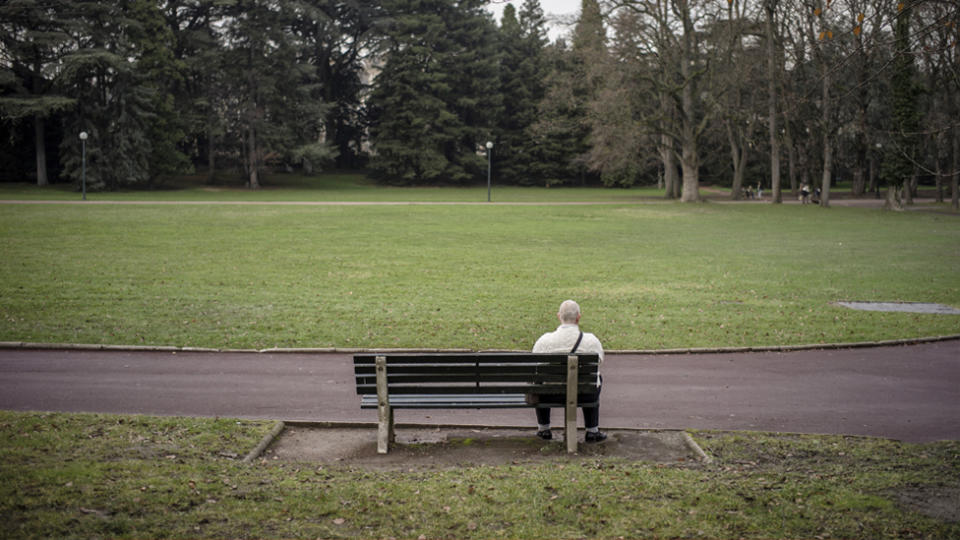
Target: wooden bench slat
473 389
430 378
482 369
478 401
474 375
464 358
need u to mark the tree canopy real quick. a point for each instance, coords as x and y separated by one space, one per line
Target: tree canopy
675 92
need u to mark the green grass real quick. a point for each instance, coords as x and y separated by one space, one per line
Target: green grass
88 476
332 187
647 276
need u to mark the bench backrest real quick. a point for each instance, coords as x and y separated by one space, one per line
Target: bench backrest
475 373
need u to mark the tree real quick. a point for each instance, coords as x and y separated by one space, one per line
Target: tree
563 129
899 162
333 37
618 138
277 112
435 100
116 71
773 70
33 38
523 69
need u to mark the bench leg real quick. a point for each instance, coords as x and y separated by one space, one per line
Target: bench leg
384 410
570 411
385 428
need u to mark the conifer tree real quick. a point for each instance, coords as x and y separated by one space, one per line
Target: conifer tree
436 98
33 38
574 80
899 161
272 84
522 85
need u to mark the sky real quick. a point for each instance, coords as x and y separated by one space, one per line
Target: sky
561 14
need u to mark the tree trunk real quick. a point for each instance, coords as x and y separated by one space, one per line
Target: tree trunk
41 147
735 156
938 161
893 199
827 171
955 177
211 155
691 176
252 156
669 159
827 145
860 168
772 72
908 184
667 155
791 158
689 161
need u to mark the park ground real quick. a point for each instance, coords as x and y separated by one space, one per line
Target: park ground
77 475
730 275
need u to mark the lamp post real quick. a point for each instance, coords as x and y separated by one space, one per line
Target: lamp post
489 146
83 163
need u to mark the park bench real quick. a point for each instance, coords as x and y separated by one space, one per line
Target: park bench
472 381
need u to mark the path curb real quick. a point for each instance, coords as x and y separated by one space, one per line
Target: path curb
266 441
695 448
26 345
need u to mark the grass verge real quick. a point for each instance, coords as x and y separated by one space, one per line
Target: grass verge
647 276
133 476
330 187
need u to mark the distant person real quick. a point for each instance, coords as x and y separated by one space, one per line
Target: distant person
759 190
805 194
568 338
816 196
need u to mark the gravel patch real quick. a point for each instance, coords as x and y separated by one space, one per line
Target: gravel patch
443 448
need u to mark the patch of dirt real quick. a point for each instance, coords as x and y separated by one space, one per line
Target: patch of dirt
939 502
442 448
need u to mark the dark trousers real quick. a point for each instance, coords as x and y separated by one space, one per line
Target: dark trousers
591 415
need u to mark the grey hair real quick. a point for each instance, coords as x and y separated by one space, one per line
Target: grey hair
569 311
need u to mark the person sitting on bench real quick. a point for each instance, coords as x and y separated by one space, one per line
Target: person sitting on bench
569 339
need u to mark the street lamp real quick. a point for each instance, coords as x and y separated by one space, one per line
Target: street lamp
83 163
489 146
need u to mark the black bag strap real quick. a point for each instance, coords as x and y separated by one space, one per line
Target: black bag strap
577 344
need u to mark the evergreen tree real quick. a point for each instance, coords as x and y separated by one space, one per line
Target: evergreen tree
435 99
33 39
199 93
563 129
334 38
158 75
272 85
899 162
116 70
522 86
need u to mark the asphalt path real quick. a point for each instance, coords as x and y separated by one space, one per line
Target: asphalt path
911 392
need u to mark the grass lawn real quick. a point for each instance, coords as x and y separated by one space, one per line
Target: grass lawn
485 276
132 476
345 187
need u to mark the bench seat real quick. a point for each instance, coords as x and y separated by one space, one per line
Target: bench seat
472 381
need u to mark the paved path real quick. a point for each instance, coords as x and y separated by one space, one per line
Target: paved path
910 393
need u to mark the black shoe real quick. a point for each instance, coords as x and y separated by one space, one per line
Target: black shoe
597 436
545 434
